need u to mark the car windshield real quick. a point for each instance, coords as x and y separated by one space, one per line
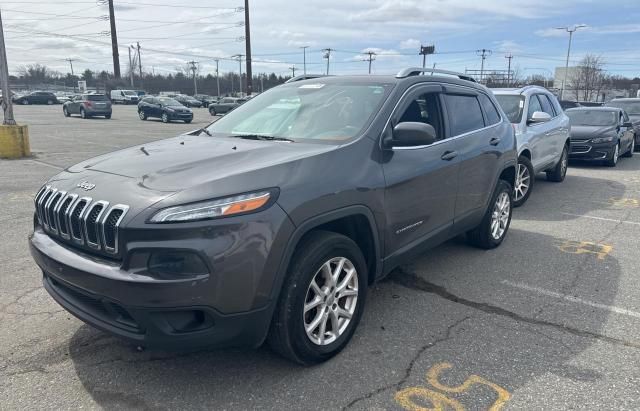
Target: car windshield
631 107
97 97
513 105
592 117
314 111
129 93
166 101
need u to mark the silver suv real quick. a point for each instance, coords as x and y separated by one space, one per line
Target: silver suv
542 131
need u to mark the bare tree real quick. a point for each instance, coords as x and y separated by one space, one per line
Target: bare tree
588 78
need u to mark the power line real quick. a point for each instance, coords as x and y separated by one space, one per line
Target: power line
370 59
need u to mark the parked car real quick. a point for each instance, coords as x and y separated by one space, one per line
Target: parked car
36 97
124 97
141 94
164 108
631 106
227 236
186 101
601 134
225 105
567 104
543 135
63 97
206 99
591 103
88 105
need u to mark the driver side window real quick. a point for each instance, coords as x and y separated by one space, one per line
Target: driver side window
425 109
534 105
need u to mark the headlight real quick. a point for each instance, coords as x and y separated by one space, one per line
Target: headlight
224 207
603 139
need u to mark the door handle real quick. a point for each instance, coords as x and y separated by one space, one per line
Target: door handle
494 141
449 155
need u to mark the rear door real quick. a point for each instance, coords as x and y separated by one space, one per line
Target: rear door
421 181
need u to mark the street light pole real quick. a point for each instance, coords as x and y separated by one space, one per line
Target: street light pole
304 59
239 56
566 67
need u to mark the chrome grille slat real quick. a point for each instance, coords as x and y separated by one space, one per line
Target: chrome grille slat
81 220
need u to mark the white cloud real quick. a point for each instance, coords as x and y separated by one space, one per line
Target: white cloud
507 46
410 44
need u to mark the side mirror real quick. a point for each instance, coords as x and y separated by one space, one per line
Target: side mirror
411 134
539 117
627 124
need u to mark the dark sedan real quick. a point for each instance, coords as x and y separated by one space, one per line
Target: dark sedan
632 107
600 134
88 105
164 108
187 101
36 97
225 105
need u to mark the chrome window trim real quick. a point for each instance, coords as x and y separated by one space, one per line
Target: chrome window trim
79 240
124 209
104 204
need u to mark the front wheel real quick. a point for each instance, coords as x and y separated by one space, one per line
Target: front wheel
165 118
559 172
212 111
322 299
107 116
613 161
25 102
49 102
525 177
66 112
495 224
83 114
142 115
632 148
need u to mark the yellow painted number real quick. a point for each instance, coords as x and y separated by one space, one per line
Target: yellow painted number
414 398
625 202
585 247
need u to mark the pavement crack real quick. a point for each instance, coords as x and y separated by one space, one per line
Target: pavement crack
412 281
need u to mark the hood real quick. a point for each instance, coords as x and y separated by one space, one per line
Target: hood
176 164
587 132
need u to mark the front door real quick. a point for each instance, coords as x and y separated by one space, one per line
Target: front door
421 181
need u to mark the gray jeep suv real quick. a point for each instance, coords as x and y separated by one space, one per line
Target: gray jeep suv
543 135
272 222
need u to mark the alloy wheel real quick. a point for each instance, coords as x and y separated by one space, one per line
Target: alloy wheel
500 216
616 153
523 182
564 163
330 302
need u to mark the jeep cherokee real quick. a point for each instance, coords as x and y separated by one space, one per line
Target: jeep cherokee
272 222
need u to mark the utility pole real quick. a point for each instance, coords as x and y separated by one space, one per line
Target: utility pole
140 66
293 70
370 59
509 57
194 69
262 83
218 76
327 55
114 41
566 67
7 104
304 59
247 35
70 63
239 57
484 53
130 66
424 51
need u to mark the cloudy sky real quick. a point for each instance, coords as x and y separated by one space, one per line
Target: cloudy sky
172 32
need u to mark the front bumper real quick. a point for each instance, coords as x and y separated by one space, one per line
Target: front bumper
180 116
231 306
590 151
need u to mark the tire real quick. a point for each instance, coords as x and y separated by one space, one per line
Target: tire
212 111
66 112
165 118
187 121
49 102
142 115
501 203
637 143
25 102
107 116
613 161
288 334
631 149
525 179
83 114
558 173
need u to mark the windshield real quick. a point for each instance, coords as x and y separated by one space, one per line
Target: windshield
592 118
512 106
631 107
166 101
335 111
129 93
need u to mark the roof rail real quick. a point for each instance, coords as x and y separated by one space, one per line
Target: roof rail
414 71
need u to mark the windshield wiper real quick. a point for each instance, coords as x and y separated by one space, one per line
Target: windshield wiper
204 130
261 137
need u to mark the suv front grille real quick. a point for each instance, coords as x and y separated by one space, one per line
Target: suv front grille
82 220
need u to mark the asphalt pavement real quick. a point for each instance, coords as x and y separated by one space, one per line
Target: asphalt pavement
550 320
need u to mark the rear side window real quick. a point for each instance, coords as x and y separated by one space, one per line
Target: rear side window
489 110
464 113
546 105
97 97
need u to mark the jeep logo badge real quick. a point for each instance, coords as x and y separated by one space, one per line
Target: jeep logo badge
86 186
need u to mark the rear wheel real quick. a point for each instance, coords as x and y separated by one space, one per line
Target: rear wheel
636 140
187 121
66 112
322 299
559 172
613 161
83 113
495 224
524 181
632 148
212 111
107 116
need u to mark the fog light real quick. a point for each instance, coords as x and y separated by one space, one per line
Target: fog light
176 264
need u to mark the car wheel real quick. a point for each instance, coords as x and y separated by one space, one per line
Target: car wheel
495 224
322 299
107 116
83 114
613 161
632 148
25 102
212 111
559 172
637 143
187 121
49 102
165 118
66 112
142 115
525 177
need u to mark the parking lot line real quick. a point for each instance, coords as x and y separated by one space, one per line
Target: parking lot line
613 220
573 299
